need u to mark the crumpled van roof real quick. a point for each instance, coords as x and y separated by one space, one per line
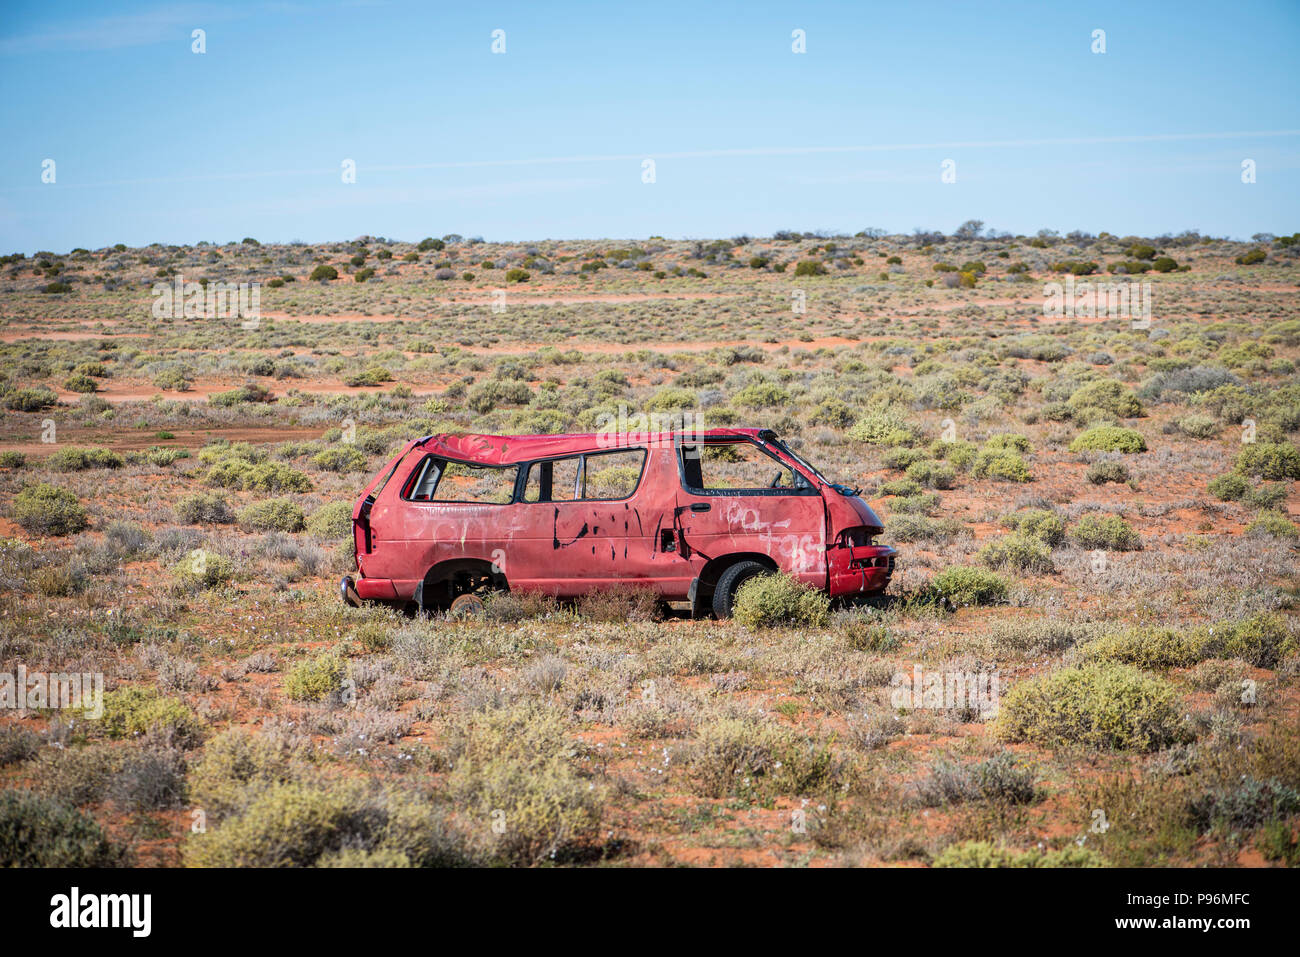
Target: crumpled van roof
511 449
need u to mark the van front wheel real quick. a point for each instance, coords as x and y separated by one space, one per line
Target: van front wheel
724 592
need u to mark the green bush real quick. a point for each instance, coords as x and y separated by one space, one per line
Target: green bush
12 460
331 521
1273 523
323 273
516 765
204 508
1008 442
984 854
343 459
920 528
490 393
315 679
370 376
35 399
1164 264
272 515
252 392
1252 257
1149 647
1000 464
48 510
80 383
809 267
766 601
885 428
1267 496
761 395
963 587
135 710
932 474
1019 553
77 460
1108 394
1262 640
901 458
1039 523
1102 705
240 473
236 767
203 569
1099 473
1270 460
1108 532
37 831
1228 488
517 275
1199 426
1109 438
297 824
756 760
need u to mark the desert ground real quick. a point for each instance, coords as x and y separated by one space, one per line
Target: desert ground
1098 509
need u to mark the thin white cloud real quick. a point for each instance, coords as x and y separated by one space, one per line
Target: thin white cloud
758 151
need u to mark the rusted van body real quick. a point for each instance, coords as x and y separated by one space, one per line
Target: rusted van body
689 515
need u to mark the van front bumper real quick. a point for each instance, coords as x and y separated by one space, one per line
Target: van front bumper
859 571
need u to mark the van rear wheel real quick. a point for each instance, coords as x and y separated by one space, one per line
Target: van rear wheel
724 592
468 605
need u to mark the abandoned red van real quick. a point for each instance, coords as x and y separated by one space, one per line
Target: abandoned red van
691 515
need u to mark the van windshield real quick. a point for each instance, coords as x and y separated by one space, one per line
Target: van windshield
800 460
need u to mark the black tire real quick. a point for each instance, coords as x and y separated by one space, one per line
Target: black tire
724 592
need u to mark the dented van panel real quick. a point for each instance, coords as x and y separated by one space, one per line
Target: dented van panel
565 514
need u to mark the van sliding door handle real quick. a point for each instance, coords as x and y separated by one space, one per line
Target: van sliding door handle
700 506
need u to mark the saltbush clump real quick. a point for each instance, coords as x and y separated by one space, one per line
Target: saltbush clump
1099 473
1107 532
1018 552
331 521
272 515
135 710
1109 438
315 679
1003 464
340 459
1104 705
1039 523
1270 460
48 510
518 761
1106 394
203 569
204 508
984 854
77 460
37 831
962 586
766 601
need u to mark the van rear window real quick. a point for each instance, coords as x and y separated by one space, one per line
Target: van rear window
438 480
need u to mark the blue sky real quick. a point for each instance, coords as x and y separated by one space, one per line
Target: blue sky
153 142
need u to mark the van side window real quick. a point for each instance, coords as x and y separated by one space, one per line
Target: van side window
597 476
555 481
614 474
437 480
735 466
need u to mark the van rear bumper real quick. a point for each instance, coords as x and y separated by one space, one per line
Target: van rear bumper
862 570
378 589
